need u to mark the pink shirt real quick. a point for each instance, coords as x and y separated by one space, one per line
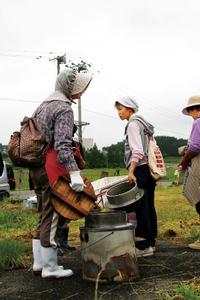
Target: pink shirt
135 141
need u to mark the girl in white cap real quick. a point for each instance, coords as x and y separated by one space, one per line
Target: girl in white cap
191 160
55 119
136 157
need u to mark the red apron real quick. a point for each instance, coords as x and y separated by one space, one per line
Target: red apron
53 168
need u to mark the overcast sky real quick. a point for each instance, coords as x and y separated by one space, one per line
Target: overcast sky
149 49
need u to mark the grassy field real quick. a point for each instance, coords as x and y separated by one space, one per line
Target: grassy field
21 175
177 222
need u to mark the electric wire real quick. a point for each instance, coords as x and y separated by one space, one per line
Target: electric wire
90 111
108 84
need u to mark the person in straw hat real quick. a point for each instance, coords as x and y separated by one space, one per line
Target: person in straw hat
190 163
136 154
55 120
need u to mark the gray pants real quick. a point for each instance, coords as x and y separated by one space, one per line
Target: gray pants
47 225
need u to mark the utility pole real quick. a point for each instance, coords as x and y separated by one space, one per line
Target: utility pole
61 59
82 66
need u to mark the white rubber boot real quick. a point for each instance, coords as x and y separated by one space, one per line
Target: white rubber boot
50 267
37 257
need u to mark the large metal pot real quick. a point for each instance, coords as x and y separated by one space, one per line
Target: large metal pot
123 194
107 248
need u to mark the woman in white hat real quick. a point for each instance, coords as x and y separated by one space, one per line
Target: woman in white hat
136 154
191 159
55 120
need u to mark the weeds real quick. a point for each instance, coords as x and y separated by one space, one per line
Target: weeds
17 220
11 253
187 292
177 219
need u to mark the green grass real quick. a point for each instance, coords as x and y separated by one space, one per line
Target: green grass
11 253
187 291
94 174
16 221
172 159
22 183
177 219
19 219
184 291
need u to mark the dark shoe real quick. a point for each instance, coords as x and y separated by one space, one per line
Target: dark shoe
66 246
60 252
63 240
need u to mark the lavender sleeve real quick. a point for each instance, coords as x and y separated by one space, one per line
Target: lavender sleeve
135 142
194 140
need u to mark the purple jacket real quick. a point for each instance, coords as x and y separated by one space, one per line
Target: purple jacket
194 140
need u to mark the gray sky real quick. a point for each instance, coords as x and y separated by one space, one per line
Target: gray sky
148 49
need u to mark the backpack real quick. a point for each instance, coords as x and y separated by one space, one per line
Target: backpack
155 160
26 148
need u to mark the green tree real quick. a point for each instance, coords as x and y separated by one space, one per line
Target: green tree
115 155
169 145
94 158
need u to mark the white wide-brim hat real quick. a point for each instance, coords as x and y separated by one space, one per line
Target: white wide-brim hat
81 83
192 101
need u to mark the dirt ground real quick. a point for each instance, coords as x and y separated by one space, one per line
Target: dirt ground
170 265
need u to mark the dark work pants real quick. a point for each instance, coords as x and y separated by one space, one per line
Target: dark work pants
47 225
145 209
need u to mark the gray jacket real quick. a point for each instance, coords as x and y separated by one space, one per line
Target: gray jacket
146 129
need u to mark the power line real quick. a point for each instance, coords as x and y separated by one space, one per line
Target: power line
8 51
118 90
107 84
91 111
19 100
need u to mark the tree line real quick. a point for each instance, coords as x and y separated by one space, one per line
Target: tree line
113 156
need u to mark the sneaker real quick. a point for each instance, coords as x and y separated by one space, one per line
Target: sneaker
195 245
145 252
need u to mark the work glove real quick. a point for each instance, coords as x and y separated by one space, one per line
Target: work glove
77 183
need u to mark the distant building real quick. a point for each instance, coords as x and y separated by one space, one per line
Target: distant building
88 143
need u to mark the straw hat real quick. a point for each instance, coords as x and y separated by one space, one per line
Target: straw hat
192 101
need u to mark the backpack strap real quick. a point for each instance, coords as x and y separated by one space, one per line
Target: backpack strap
145 141
141 120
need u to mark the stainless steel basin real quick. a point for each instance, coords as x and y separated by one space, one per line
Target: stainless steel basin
123 194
